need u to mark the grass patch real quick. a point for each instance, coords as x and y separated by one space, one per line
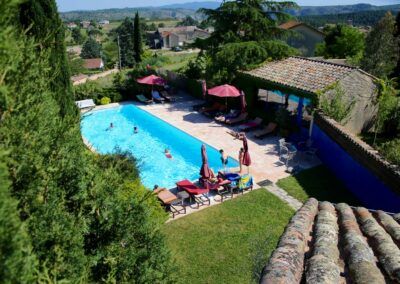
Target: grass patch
177 61
318 182
228 243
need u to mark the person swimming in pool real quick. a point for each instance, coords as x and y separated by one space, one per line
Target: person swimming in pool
110 127
135 130
224 159
167 153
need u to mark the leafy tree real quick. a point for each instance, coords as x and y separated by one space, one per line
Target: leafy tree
246 20
137 39
160 25
187 21
77 36
91 49
76 64
382 48
342 41
125 32
110 53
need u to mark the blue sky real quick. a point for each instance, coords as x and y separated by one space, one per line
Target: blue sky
69 5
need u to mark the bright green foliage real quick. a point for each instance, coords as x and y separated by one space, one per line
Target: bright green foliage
137 39
110 53
382 48
342 41
67 215
91 49
77 36
126 42
105 101
388 116
391 151
335 104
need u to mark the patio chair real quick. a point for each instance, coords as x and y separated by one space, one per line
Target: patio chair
242 117
156 96
287 155
215 106
307 149
219 111
251 124
266 130
170 201
197 194
244 183
221 187
143 99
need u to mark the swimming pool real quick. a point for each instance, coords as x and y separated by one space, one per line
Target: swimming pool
148 145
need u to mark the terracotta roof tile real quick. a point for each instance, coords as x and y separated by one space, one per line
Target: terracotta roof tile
94 63
348 245
302 73
290 24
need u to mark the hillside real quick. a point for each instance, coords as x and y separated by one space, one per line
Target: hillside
363 18
179 11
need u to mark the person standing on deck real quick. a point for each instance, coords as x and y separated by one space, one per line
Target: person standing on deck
240 159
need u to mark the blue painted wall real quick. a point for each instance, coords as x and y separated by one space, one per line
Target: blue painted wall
358 179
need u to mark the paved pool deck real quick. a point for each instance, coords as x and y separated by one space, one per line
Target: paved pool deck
266 164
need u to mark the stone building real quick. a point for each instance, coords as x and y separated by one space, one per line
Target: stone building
312 79
303 37
176 36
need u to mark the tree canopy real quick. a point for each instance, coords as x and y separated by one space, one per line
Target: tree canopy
342 41
137 39
382 48
91 49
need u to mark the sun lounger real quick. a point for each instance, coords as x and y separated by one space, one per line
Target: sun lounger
251 124
197 194
170 201
220 187
156 96
166 96
85 104
242 117
143 99
215 113
230 115
267 130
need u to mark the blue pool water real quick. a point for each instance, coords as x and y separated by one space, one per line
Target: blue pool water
148 145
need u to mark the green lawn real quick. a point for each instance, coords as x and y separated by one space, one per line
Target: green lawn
317 182
178 60
228 243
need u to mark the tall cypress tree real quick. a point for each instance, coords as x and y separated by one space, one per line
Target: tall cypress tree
125 32
137 39
396 72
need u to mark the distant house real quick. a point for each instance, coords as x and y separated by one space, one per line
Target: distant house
304 37
176 36
94 63
104 23
85 24
72 25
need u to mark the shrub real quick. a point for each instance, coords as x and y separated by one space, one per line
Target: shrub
391 151
105 100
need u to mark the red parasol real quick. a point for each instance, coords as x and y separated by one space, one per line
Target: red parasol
246 155
152 80
205 170
224 91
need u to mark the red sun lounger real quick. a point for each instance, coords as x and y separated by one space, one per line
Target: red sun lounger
197 194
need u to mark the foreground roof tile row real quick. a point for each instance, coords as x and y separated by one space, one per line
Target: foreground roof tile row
326 243
302 73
